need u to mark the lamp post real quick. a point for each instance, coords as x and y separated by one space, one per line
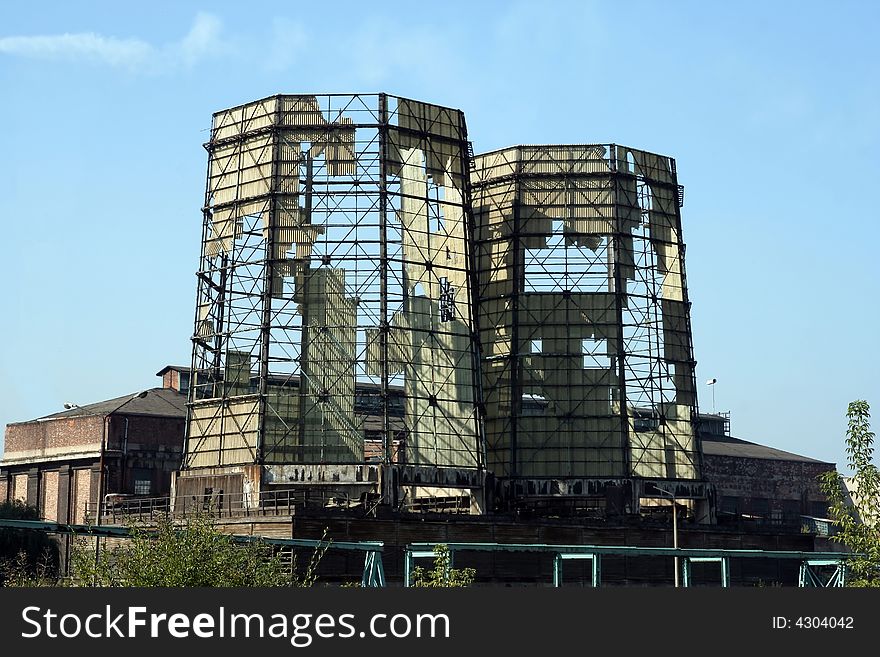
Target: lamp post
712 382
674 528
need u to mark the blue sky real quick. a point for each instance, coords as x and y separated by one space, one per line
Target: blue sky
770 109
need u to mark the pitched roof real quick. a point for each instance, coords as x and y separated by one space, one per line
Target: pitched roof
719 445
179 368
164 402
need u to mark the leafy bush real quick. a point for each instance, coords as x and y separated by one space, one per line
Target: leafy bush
858 524
188 554
442 575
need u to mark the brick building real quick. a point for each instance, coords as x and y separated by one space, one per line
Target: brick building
759 484
55 462
65 462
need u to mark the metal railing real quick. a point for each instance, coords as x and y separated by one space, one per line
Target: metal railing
221 505
809 574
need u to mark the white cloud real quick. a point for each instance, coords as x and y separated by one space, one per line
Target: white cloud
89 46
201 42
203 39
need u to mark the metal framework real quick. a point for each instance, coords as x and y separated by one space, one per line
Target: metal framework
810 574
723 562
808 577
588 368
334 325
372 298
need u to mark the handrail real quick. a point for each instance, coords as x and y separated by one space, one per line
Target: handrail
632 550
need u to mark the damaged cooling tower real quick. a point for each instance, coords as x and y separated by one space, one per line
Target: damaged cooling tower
333 323
587 362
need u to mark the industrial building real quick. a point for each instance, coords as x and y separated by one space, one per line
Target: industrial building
528 305
67 463
393 331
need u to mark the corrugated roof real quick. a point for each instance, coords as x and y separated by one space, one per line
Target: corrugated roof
164 402
720 445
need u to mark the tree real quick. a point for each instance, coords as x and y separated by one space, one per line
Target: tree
442 575
858 522
190 554
26 555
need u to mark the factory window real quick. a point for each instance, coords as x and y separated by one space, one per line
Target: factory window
536 346
143 481
184 381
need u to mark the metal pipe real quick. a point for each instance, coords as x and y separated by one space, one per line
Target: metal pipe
674 528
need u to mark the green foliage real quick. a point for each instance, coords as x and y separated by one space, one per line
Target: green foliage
442 575
27 557
858 524
189 554
21 571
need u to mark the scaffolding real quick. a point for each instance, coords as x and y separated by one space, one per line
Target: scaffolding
382 313
334 331
587 358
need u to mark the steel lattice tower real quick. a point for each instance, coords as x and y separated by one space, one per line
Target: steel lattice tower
334 341
588 368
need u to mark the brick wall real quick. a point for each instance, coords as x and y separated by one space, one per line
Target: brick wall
49 495
47 436
780 483
146 431
149 443
171 379
82 490
19 487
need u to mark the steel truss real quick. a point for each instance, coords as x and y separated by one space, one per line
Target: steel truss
588 368
334 322
594 553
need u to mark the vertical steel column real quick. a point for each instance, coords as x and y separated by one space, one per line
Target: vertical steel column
304 318
374 573
384 326
268 270
407 566
518 286
802 575
724 562
473 294
619 284
595 566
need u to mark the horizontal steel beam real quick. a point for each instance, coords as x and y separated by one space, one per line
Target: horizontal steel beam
629 550
125 532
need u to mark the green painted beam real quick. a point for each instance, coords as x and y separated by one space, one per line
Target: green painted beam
113 531
630 550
